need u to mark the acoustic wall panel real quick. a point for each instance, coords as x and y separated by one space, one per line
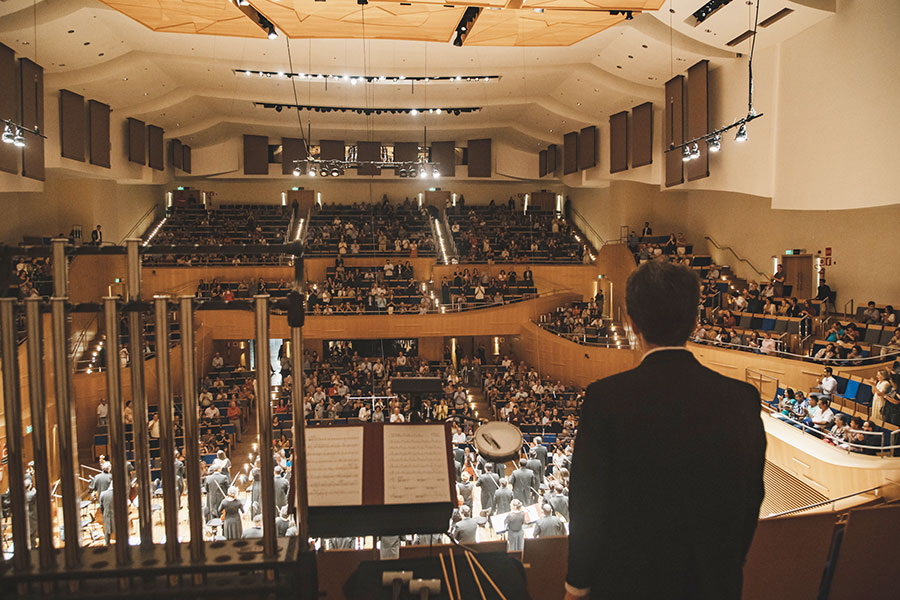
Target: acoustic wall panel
542 163
698 117
405 152
292 150
137 141
368 151
176 154
9 106
71 125
444 155
480 161
31 88
570 152
186 159
331 150
674 130
155 148
256 155
587 148
642 135
98 117
618 142
552 159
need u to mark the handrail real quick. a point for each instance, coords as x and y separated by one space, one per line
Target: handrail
740 258
79 341
850 302
139 222
825 502
839 444
842 362
585 224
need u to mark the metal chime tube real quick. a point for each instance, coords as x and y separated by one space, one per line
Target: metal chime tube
121 482
41 453
264 421
167 427
138 398
191 428
65 423
299 464
14 444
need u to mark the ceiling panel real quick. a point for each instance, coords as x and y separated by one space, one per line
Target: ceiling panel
528 28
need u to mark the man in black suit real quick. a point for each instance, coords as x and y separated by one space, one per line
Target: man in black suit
666 479
502 497
522 480
489 483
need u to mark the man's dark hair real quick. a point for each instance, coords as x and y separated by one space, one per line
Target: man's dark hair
828 370
662 300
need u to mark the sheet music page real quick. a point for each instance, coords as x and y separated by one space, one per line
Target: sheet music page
415 464
334 466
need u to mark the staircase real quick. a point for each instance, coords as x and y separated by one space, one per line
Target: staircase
479 403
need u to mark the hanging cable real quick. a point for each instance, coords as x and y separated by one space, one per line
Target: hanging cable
750 109
287 40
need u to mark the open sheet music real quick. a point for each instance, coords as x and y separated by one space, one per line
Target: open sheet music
334 466
415 464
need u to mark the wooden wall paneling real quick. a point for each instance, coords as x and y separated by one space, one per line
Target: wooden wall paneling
332 150
542 163
443 154
293 149
480 161
31 95
552 159
674 130
137 141
98 117
186 159
587 148
698 117
9 106
176 154
570 153
155 148
368 151
256 155
618 142
405 151
642 135
71 125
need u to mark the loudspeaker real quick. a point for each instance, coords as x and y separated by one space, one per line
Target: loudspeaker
295 311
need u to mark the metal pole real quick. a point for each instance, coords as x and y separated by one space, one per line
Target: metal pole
14 444
121 485
191 428
299 464
65 423
38 404
167 427
138 398
264 421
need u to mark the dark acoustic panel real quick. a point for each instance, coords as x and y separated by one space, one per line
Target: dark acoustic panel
570 152
444 155
552 159
587 148
176 154
618 142
256 155
368 151
9 106
698 117
31 88
155 148
33 157
332 150
642 135
480 161
542 163
98 117
405 152
292 150
137 141
186 158
71 125
674 130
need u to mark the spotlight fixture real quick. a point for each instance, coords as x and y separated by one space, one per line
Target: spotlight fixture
335 170
465 24
8 134
423 173
297 172
686 154
342 78
454 110
312 171
715 144
436 173
413 111
272 34
741 135
412 172
695 151
19 139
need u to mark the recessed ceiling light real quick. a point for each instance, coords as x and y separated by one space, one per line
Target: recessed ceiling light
618 66
124 79
643 45
100 54
87 43
71 31
630 56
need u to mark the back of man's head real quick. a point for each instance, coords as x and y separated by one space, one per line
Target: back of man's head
662 300
545 508
523 462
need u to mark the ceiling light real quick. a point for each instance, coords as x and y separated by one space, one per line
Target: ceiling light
312 171
423 173
273 34
437 111
695 151
715 144
686 154
435 172
297 171
335 171
741 133
414 112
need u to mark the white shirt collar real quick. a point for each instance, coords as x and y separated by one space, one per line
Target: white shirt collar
662 348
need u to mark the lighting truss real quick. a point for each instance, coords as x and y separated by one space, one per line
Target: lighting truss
14 134
355 79
316 167
449 110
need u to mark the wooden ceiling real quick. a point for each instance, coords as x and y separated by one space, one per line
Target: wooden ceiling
562 22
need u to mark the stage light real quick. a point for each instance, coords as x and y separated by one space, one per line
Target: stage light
402 172
335 171
19 139
414 112
437 111
312 171
741 133
413 172
686 154
715 144
296 171
423 173
695 151
435 172
7 135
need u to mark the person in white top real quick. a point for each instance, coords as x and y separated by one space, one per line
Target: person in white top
827 383
364 413
102 412
397 416
153 426
217 361
879 390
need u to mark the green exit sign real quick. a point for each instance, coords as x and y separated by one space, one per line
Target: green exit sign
788 252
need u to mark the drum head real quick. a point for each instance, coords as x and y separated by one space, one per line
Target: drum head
498 441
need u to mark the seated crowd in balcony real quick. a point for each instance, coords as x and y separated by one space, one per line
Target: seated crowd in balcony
473 288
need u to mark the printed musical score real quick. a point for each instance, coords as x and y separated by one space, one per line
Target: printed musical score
334 466
415 464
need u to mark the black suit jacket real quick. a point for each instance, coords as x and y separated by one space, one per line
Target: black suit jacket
666 482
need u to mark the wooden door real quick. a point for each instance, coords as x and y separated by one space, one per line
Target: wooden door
798 273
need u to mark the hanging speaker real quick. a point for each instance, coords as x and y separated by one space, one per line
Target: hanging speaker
295 312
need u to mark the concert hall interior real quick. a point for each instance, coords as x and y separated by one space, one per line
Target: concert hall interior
397 236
